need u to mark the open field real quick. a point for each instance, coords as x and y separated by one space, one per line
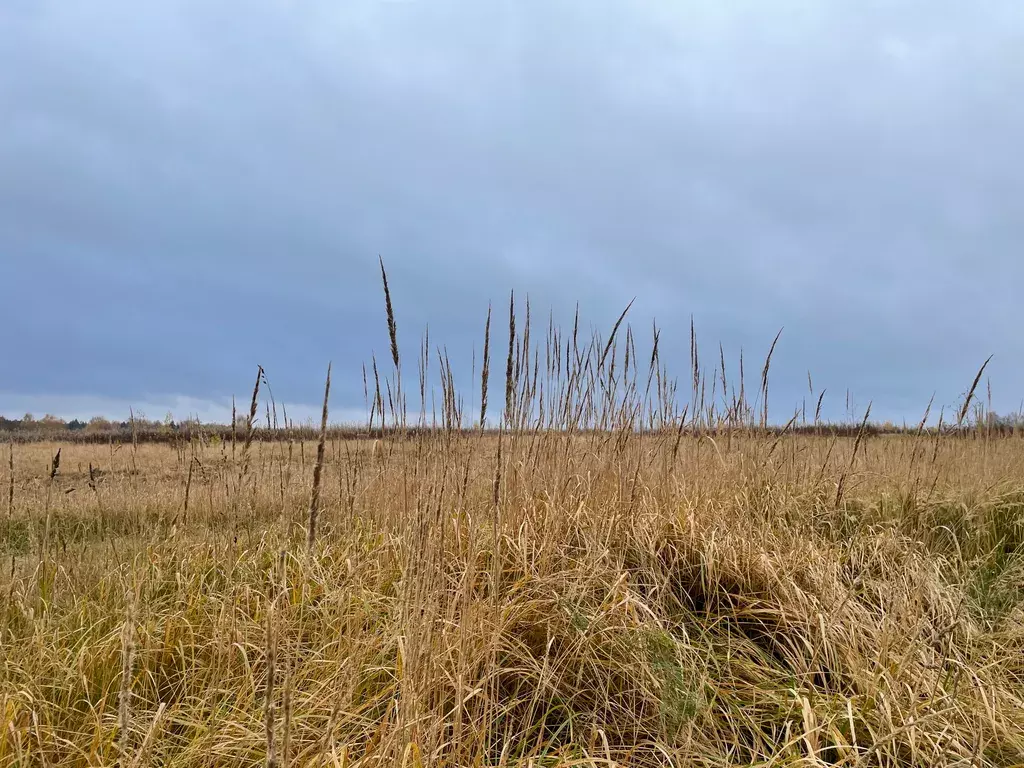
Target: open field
604 599
605 579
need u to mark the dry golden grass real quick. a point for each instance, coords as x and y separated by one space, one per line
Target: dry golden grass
607 581
630 600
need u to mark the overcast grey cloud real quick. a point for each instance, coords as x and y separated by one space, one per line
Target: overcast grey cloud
190 188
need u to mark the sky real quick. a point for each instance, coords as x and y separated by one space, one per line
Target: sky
192 188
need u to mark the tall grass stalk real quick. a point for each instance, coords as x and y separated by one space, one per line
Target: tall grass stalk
318 468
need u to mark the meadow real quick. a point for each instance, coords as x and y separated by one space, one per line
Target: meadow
602 579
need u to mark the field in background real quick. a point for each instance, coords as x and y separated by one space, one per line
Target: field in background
599 599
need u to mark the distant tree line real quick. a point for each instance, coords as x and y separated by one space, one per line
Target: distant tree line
96 425
101 430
